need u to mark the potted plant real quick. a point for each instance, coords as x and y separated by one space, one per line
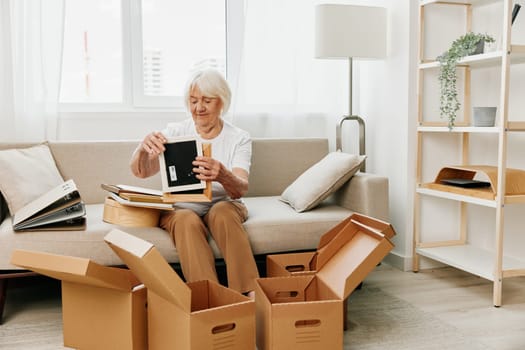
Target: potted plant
466 45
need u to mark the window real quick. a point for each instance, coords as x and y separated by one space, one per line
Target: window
92 52
139 53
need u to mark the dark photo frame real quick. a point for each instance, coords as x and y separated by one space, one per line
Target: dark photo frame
176 164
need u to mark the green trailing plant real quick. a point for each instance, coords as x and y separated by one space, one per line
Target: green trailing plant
463 46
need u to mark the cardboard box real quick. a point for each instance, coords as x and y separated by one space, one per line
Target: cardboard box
102 307
197 315
291 264
305 311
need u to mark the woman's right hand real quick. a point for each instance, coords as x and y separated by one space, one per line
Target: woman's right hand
153 144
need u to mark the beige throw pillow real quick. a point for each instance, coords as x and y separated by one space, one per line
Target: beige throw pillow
321 180
26 174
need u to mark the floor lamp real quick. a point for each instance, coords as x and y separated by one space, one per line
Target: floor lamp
350 31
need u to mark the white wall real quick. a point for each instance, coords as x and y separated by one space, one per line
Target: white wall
387 103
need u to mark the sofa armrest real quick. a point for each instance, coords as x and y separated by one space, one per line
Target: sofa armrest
366 194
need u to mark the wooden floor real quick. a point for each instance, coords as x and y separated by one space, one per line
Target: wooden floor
434 309
463 301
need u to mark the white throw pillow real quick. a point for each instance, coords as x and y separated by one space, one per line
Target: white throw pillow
26 174
321 180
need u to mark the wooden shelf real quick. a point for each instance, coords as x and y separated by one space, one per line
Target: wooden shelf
475 260
489 59
491 263
466 197
516 126
515 185
456 196
441 127
457 2
459 129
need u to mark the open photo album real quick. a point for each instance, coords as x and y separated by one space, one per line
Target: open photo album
61 208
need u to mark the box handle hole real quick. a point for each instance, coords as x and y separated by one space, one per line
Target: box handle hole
295 268
223 328
286 294
307 323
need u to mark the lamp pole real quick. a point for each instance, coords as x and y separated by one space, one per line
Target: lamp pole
351 116
350 85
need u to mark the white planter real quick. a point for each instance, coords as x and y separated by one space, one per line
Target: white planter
484 116
480 47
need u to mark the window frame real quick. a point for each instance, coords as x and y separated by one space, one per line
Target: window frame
133 98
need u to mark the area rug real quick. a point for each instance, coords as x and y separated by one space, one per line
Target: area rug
378 320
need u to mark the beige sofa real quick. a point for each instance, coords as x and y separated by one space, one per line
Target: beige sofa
272 226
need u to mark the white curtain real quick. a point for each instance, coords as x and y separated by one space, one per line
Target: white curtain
30 65
283 90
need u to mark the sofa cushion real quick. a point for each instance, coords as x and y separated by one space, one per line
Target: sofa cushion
321 180
26 174
272 227
85 244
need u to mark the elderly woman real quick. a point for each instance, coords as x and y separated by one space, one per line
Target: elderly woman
207 97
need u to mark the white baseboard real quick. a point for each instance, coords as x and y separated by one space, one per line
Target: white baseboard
404 263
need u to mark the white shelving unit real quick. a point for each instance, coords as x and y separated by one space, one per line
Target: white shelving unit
492 264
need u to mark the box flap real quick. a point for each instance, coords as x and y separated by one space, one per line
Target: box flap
280 290
289 264
150 267
74 269
351 256
326 251
373 223
332 233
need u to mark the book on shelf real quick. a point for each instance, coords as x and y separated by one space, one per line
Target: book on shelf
61 208
466 183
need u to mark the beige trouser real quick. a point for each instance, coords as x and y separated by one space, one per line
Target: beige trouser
224 221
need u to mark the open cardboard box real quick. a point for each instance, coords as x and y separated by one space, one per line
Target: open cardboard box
102 307
197 315
305 311
290 264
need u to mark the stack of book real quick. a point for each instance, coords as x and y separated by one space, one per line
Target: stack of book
137 196
58 209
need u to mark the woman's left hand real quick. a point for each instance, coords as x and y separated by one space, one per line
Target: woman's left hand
235 182
207 169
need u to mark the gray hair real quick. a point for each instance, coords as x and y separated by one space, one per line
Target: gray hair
211 83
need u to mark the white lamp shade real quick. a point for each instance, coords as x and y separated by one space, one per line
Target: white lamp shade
343 31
